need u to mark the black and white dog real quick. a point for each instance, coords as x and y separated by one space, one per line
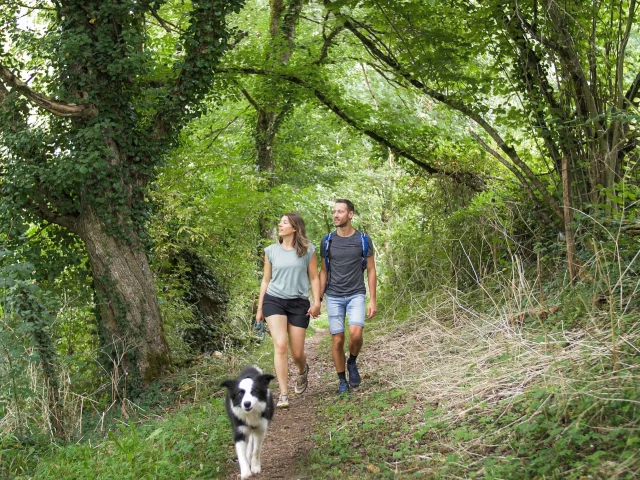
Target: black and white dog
250 408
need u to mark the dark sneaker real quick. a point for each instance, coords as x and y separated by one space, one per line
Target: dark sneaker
354 375
343 387
302 380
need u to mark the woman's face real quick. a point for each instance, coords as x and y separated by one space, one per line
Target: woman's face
284 227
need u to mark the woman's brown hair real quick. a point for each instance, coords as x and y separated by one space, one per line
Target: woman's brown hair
300 240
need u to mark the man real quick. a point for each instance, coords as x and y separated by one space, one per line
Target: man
342 281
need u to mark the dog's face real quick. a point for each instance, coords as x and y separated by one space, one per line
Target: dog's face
249 393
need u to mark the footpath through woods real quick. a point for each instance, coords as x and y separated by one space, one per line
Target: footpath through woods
290 435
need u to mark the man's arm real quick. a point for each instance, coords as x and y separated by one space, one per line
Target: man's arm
372 280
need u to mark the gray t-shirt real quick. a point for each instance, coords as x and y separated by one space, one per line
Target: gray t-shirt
289 275
345 265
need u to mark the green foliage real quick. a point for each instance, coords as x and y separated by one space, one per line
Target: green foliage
579 419
177 430
25 342
193 443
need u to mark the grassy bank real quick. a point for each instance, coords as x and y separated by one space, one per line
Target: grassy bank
477 386
179 431
455 386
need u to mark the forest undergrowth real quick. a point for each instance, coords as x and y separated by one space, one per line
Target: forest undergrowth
489 383
493 384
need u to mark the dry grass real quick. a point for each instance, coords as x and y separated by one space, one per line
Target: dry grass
453 353
474 356
466 362
454 362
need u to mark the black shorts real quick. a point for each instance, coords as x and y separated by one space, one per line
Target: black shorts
295 309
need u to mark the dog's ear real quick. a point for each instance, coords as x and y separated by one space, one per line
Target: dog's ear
228 383
264 379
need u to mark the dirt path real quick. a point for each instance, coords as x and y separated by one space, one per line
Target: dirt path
289 437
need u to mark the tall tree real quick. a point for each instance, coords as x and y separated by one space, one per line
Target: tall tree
82 138
271 98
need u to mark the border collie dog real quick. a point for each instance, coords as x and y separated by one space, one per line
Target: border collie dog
249 405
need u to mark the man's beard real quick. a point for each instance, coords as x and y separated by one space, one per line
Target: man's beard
341 225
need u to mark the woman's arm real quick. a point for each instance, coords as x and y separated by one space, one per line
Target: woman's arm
323 278
266 278
314 280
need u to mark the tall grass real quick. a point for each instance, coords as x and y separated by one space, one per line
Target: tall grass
517 375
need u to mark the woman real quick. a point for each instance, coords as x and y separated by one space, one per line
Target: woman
289 267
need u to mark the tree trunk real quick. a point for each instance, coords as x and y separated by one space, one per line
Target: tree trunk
267 127
130 322
568 218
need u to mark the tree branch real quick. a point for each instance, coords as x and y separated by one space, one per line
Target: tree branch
41 209
251 100
535 72
328 41
283 31
584 91
205 41
621 54
632 93
60 109
169 27
471 180
510 166
464 109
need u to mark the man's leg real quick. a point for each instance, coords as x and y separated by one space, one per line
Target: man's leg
356 313
355 339
336 311
337 351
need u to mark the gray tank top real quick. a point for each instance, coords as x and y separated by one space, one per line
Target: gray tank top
289 275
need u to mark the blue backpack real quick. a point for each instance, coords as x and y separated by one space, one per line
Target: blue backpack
364 241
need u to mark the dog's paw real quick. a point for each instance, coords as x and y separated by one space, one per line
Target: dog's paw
256 469
244 476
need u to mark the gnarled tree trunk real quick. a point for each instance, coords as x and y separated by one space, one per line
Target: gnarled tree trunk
131 324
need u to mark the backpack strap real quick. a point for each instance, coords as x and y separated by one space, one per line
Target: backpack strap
326 240
364 241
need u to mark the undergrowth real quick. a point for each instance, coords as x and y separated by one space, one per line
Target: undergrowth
491 384
179 430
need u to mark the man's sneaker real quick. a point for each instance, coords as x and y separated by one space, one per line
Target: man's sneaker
354 375
303 380
283 401
343 387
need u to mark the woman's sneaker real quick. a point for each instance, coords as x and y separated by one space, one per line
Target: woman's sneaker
283 401
354 375
303 380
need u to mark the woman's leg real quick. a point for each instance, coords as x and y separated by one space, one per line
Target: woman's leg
296 344
278 328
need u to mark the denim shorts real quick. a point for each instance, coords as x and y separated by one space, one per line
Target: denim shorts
338 308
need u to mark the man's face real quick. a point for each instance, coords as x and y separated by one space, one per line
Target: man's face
341 215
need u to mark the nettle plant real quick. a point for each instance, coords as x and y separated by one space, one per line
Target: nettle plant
93 94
